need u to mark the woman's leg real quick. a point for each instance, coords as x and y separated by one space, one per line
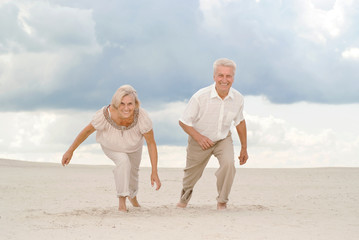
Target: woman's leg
121 174
135 160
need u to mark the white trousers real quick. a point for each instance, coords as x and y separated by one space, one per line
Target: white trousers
126 171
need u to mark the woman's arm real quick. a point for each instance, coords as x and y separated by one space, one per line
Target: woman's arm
87 131
152 151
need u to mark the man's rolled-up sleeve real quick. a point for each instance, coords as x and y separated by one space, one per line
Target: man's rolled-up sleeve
190 113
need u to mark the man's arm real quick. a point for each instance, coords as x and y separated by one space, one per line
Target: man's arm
203 141
242 133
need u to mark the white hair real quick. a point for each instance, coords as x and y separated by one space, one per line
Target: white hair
224 62
123 91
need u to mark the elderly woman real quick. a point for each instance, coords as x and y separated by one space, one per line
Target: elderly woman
121 128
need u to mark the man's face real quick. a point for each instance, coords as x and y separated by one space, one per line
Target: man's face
224 77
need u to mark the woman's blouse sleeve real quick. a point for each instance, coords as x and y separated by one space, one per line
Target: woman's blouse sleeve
144 121
98 120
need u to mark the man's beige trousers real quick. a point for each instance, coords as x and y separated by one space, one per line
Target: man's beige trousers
197 160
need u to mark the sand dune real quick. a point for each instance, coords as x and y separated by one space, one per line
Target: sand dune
48 201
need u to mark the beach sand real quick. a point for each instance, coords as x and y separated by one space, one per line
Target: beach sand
48 201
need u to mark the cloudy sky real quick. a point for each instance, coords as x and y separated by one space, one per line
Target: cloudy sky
298 67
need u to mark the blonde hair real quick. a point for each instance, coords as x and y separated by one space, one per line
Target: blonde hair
123 91
224 62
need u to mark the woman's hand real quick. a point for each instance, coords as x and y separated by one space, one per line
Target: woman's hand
66 158
155 179
87 131
152 151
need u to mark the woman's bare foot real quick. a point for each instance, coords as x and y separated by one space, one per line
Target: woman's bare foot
221 206
181 205
122 204
134 202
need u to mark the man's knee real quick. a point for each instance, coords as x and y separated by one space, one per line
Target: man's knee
227 167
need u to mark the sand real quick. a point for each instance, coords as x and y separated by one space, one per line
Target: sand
48 201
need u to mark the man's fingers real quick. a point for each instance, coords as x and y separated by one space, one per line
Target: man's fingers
242 159
207 143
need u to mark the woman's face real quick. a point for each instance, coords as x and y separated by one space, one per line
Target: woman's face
127 106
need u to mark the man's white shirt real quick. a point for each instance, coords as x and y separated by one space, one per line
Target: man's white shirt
211 115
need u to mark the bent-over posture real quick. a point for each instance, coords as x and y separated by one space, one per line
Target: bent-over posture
207 120
121 129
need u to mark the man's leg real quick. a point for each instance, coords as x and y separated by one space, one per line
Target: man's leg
197 160
224 152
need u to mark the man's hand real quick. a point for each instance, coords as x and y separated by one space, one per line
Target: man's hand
204 141
243 157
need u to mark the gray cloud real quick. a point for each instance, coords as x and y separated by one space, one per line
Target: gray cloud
74 54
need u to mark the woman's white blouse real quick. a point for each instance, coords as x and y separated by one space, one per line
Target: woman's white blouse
119 138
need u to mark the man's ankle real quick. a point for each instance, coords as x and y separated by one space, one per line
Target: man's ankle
182 205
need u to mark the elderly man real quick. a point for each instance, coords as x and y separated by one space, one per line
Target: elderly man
207 120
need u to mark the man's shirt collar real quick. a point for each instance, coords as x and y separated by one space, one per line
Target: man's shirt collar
214 93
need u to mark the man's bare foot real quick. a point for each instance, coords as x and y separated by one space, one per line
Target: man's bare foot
134 202
122 204
181 205
221 206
